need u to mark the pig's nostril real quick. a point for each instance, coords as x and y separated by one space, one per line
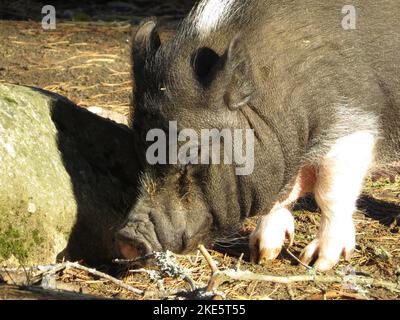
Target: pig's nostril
130 246
128 249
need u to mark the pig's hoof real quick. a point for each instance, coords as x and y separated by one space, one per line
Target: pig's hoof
326 252
268 238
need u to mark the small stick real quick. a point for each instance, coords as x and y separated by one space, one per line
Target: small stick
50 270
228 275
185 277
75 265
196 259
132 261
209 259
297 259
12 279
239 262
211 283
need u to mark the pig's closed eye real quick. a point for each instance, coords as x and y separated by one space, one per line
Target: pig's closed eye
204 62
183 182
183 171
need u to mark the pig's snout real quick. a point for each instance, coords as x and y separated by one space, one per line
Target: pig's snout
131 248
128 250
137 239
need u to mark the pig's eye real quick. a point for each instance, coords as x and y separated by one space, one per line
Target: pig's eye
183 185
203 63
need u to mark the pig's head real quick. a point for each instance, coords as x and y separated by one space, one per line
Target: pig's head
199 87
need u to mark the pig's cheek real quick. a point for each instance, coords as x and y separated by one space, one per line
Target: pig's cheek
334 240
268 238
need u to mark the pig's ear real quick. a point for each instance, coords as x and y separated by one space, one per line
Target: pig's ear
146 42
238 75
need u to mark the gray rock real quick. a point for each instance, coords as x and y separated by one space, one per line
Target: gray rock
67 179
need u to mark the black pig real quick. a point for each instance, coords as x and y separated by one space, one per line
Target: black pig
322 100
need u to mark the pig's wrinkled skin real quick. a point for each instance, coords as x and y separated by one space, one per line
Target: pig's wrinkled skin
323 103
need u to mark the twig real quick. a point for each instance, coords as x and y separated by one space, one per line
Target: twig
50 270
167 264
211 286
26 270
194 263
27 273
41 268
209 259
75 265
9 275
105 276
297 259
133 261
228 275
239 262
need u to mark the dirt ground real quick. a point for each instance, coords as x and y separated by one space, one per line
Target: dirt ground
88 62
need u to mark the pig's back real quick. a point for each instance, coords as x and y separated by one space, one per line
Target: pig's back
306 50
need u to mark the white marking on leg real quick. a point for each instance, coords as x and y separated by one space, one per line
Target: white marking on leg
210 13
340 177
268 238
303 184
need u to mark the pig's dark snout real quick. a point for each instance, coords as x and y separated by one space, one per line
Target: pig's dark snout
132 245
128 249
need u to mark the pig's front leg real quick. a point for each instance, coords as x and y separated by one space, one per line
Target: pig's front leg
339 180
268 238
